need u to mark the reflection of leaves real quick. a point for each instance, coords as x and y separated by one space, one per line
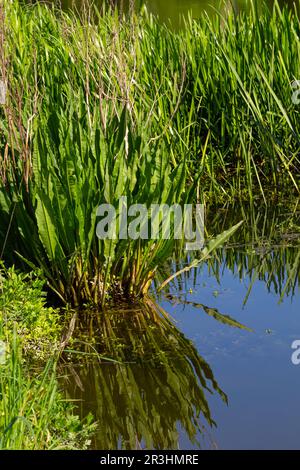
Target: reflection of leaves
265 248
212 246
162 383
292 275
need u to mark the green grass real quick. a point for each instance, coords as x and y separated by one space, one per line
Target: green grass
159 385
33 412
104 106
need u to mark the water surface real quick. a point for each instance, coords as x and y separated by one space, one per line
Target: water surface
199 380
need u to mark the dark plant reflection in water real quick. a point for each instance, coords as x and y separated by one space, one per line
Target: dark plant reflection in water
158 389
172 9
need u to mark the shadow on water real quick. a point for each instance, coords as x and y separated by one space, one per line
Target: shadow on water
265 248
169 11
157 388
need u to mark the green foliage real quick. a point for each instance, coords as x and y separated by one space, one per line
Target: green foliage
265 248
86 150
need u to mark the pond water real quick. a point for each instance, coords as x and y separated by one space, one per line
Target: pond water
199 380
174 10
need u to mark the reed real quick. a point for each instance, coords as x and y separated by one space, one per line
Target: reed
158 384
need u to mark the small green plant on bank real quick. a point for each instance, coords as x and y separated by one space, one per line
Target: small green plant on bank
22 307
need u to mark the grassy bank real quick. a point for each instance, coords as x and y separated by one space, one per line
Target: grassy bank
216 95
101 107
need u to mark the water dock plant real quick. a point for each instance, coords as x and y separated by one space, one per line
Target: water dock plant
103 106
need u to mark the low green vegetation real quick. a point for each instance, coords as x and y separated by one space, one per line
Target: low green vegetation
33 413
105 106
